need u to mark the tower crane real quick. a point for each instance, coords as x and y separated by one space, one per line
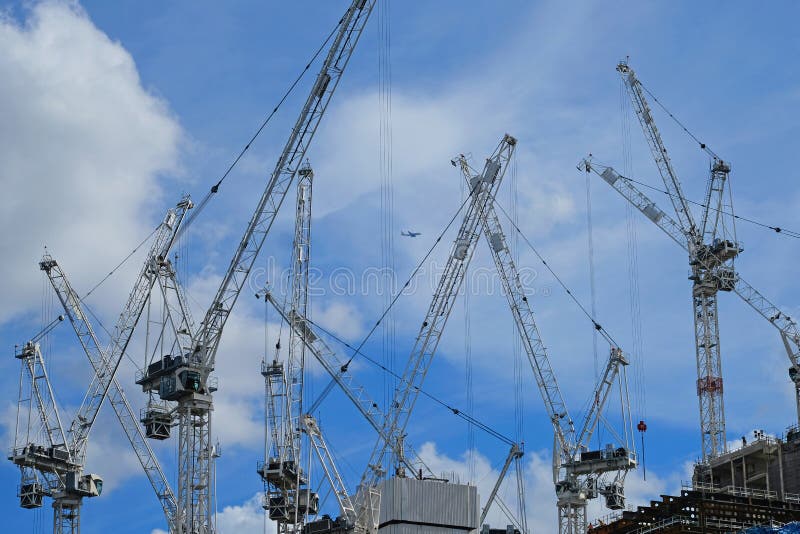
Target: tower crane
67 457
185 378
40 442
712 248
730 281
287 498
483 187
575 469
105 362
391 431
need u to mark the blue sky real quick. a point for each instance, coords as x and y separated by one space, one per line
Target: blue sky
113 110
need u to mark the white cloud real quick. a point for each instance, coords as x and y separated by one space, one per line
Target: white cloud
341 318
247 517
82 144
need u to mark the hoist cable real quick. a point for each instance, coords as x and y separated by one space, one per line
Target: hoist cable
592 288
455 411
634 299
468 365
592 285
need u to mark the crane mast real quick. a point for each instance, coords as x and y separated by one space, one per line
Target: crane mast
571 472
712 250
185 377
288 499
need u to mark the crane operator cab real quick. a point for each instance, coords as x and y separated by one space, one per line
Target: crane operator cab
177 377
78 485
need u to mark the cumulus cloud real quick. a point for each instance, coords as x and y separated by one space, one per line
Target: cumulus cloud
246 517
83 146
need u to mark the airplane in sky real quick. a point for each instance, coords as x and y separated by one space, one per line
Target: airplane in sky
409 233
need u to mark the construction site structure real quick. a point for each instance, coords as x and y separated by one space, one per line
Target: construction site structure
412 506
712 247
287 497
698 511
577 471
756 484
186 378
765 465
60 476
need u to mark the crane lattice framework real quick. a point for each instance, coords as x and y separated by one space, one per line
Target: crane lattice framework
391 430
186 378
576 471
712 248
786 326
287 498
483 188
61 463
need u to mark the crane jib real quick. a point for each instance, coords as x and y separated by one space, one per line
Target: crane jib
301 135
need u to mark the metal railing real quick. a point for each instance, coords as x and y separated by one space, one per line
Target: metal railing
730 490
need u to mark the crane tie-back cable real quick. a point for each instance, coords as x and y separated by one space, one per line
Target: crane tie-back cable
777 229
702 145
215 188
455 411
413 274
383 315
710 152
597 326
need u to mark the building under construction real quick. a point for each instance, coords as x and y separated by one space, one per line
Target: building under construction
756 484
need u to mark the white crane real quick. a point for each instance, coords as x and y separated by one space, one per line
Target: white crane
576 470
287 498
786 326
391 430
483 187
40 444
185 378
712 248
71 486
